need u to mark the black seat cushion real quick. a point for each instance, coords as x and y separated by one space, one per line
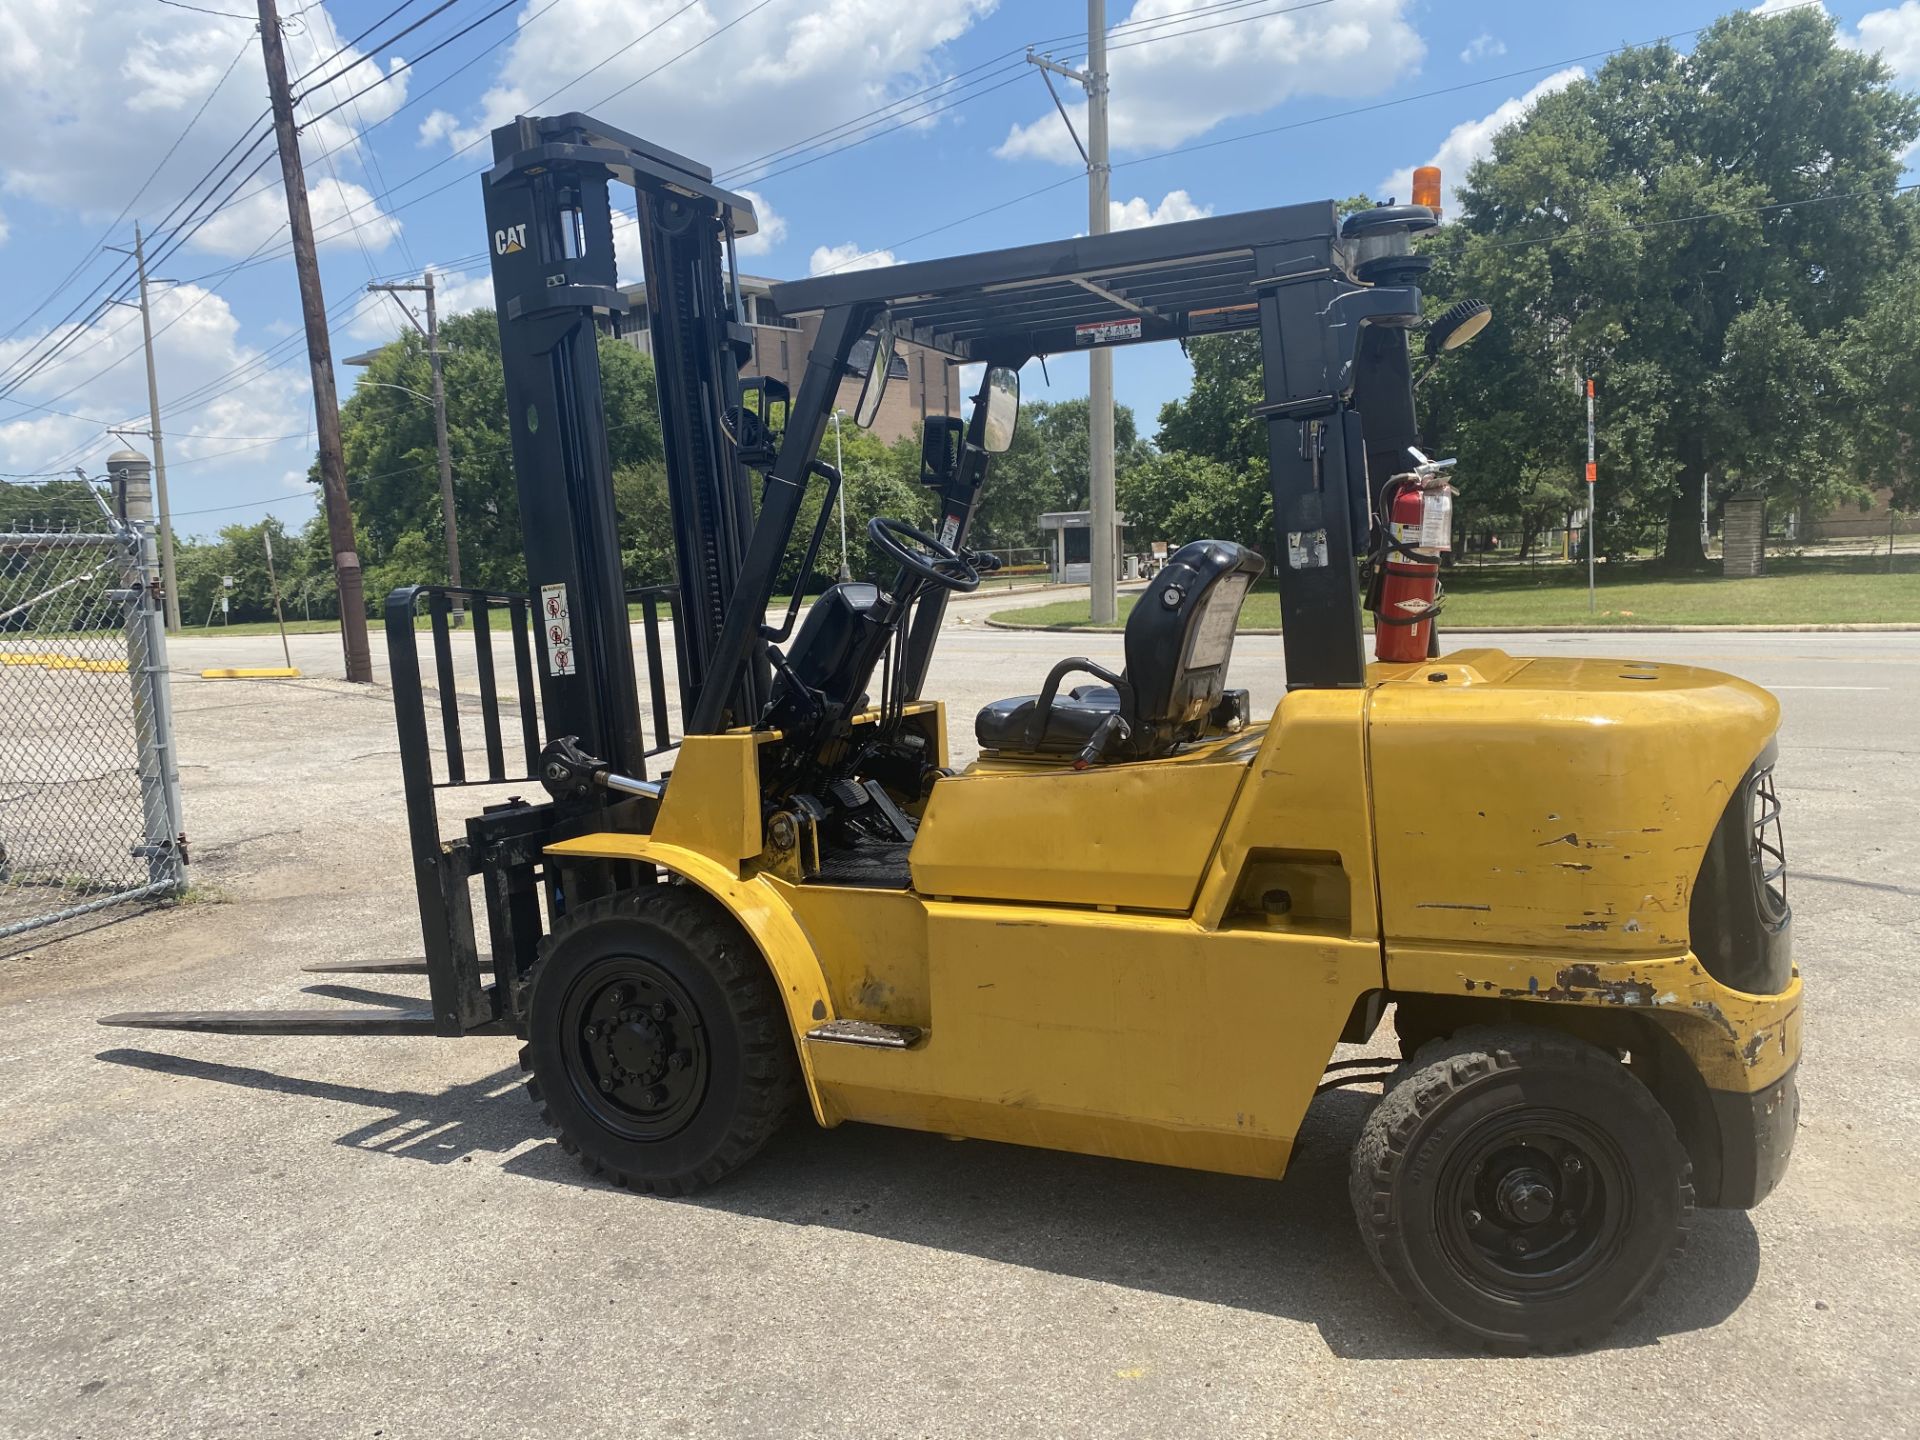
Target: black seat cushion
1179 639
1007 724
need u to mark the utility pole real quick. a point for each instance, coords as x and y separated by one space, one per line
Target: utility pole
167 589
1593 483
326 403
1102 550
448 521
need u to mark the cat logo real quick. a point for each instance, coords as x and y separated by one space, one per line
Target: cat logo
510 241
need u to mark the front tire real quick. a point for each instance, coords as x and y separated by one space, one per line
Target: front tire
1521 1190
656 1041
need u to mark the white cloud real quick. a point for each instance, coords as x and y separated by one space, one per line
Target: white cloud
440 125
1774 7
796 67
844 259
773 226
1471 140
1176 205
339 208
1483 46
1177 83
5 229
108 84
195 335
1895 34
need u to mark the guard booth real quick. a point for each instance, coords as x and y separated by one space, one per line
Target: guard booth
1070 544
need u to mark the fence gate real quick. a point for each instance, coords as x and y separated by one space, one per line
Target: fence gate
89 782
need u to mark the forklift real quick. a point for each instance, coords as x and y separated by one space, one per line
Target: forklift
1141 922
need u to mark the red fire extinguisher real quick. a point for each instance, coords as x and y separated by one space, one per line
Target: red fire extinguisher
1405 594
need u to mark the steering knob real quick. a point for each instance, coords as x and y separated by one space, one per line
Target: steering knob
922 555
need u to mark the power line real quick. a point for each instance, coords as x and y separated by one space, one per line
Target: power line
355 40
373 49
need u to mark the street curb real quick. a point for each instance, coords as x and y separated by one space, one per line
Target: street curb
1865 626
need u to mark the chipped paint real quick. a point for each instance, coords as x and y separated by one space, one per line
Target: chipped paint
1446 905
1594 925
1573 865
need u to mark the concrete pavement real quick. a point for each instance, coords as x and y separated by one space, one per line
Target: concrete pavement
226 1237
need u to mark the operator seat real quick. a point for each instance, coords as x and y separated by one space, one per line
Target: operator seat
1179 639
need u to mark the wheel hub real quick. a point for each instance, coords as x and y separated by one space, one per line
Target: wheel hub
1525 1196
1531 1206
636 1047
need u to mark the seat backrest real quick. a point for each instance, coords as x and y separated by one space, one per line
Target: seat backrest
1180 635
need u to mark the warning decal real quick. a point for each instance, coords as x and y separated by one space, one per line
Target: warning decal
556 624
1106 332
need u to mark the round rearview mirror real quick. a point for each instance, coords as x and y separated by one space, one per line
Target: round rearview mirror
1458 324
867 409
1001 395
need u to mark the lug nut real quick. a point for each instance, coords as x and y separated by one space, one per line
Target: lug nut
1571 1164
659 1010
1473 1218
1567 1217
606 1082
1519 1245
657 1096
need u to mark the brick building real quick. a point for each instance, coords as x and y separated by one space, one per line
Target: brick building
922 382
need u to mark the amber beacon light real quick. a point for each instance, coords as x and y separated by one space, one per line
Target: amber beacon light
1426 188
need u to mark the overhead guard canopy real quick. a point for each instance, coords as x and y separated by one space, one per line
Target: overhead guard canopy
1159 282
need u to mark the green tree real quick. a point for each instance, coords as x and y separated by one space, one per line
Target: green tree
1877 371
1046 469
1642 226
392 470
1177 496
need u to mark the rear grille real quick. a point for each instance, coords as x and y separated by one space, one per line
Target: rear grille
1769 849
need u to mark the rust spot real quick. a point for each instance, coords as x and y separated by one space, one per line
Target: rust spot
1572 865
1570 838
1589 925
1584 982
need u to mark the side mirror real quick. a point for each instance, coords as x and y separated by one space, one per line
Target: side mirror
874 391
1000 393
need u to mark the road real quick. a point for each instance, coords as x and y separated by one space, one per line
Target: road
224 1237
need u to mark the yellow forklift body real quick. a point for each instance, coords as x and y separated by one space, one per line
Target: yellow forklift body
1154 960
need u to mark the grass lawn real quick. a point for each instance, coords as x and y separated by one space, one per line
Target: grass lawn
1795 591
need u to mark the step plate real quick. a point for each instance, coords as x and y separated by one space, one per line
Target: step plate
865 1032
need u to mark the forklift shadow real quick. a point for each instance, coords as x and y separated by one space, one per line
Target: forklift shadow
1288 1250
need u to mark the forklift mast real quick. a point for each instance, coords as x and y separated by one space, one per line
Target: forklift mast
555 280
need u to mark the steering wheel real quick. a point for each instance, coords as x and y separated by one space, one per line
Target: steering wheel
923 555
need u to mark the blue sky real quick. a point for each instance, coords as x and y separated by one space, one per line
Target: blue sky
95 92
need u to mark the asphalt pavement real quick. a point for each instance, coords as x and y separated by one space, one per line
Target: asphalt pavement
218 1236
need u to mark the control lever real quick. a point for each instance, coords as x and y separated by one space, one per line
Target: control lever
569 773
985 561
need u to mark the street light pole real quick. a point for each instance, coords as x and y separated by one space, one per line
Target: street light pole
1103 549
168 590
838 464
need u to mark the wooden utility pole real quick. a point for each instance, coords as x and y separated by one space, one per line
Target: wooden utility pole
326 404
441 447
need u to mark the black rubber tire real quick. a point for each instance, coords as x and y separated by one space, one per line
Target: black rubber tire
1456 1094
751 1078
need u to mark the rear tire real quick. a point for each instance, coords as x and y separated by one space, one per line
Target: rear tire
656 1041
1521 1190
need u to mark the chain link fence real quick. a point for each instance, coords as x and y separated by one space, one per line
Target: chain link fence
89 787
